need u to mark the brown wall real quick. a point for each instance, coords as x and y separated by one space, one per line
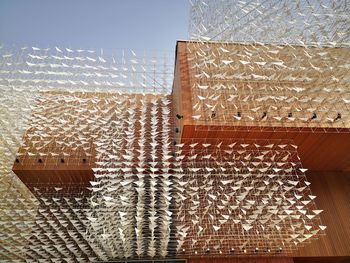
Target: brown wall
333 196
182 91
240 260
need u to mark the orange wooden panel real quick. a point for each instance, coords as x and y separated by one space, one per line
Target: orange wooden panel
333 196
241 260
322 260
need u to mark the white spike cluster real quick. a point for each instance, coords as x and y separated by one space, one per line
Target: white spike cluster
100 127
273 21
275 64
58 231
270 86
238 195
132 192
149 198
84 70
61 123
18 205
64 125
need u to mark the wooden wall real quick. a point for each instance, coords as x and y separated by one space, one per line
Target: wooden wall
333 196
241 260
271 260
181 93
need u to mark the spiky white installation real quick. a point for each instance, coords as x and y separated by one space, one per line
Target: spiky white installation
132 194
271 63
47 96
270 86
301 22
85 69
18 206
241 196
151 197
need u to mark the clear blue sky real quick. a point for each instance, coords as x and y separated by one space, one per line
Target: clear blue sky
136 24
